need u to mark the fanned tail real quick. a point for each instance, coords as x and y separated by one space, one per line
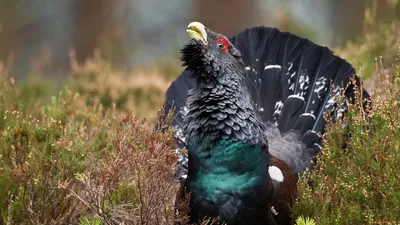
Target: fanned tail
293 82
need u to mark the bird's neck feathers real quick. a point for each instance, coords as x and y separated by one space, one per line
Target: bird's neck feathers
225 133
220 106
208 68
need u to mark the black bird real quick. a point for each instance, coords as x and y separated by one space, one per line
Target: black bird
250 109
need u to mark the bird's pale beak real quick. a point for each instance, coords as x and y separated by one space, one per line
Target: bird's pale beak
197 31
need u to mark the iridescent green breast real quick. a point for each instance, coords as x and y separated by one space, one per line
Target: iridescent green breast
227 168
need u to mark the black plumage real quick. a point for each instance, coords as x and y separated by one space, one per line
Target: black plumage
291 83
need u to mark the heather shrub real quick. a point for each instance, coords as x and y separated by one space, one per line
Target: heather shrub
140 91
64 162
356 180
134 183
36 154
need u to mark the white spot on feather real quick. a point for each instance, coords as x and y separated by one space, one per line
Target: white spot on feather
314 132
247 68
330 102
278 108
290 66
179 133
273 210
275 173
291 87
296 96
320 84
184 110
319 146
272 66
308 114
304 80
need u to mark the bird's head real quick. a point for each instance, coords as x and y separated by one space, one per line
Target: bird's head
209 53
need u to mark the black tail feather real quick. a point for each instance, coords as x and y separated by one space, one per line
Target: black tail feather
291 111
294 82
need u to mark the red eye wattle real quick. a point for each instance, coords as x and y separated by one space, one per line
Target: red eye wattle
222 43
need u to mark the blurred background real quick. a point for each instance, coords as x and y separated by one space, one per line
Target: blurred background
37 37
127 51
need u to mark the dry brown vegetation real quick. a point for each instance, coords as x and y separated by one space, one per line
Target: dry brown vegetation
140 91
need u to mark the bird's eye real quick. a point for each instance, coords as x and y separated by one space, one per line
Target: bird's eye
222 44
